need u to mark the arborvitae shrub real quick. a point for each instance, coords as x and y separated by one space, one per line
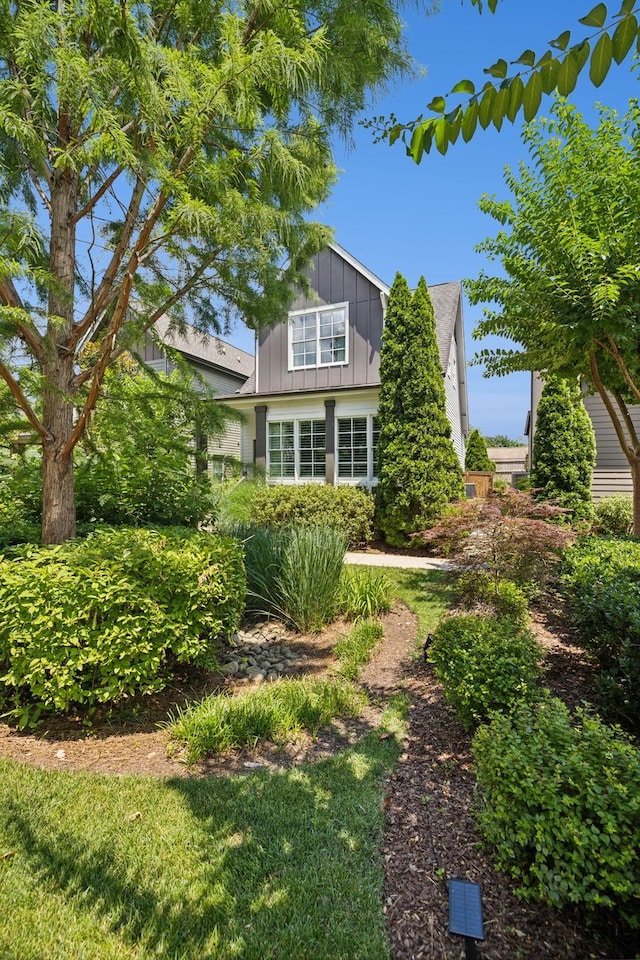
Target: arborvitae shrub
564 449
476 456
418 470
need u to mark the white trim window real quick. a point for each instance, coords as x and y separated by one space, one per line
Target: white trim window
296 450
319 338
356 447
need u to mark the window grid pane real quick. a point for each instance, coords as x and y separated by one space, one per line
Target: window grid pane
352 447
281 449
312 444
319 337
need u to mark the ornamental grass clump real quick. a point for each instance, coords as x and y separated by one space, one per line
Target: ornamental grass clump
559 800
485 664
293 573
278 711
364 593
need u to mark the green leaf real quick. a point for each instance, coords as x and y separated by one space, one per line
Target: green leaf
500 105
561 42
581 52
623 37
454 121
527 57
532 96
549 75
464 86
441 135
567 75
627 7
498 69
486 107
601 60
394 133
470 121
595 17
437 105
516 92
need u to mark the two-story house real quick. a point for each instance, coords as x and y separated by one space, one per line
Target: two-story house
310 407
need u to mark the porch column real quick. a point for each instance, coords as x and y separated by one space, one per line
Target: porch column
261 437
330 440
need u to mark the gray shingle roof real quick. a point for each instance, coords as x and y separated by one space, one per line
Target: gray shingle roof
446 300
207 348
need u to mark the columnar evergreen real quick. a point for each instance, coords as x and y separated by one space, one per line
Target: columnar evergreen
476 456
564 447
418 470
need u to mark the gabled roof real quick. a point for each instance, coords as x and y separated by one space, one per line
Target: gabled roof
207 349
360 267
445 298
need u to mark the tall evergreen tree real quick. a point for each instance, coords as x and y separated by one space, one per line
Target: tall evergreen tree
564 447
476 456
418 470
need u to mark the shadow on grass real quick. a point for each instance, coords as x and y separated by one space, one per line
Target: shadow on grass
282 865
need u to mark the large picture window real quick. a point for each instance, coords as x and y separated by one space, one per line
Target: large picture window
318 338
297 450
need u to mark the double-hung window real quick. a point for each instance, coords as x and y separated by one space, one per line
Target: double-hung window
318 338
357 448
297 450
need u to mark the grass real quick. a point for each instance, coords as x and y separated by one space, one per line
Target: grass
273 865
235 500
355 648
428 593
277 711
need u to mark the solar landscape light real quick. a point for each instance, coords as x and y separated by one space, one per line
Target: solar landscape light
465 914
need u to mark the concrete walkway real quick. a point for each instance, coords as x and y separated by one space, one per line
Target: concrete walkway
406 562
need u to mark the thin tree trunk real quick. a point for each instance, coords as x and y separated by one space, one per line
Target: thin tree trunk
58 496
635 479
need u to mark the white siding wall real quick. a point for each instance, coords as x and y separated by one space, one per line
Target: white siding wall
451 389
609 454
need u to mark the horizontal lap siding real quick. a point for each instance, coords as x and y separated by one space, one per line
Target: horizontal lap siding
606 483
609 453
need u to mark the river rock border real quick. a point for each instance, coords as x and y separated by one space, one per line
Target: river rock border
259 654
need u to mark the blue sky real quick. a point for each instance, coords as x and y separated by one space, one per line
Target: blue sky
393 215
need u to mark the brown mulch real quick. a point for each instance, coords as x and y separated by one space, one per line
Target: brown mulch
429 836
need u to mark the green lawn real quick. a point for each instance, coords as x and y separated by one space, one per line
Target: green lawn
279 865
428 593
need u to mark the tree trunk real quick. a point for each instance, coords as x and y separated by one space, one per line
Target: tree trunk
58 498
635 479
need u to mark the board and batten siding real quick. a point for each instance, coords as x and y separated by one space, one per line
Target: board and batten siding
335 281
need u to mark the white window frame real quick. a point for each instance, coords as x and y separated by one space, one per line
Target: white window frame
318 311
371 479
296 478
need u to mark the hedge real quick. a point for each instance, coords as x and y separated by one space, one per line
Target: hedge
349 509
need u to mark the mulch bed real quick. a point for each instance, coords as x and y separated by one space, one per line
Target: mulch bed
429 836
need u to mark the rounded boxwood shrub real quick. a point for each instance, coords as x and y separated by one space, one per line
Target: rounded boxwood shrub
96 621
560 802
349 509
485 664
613 516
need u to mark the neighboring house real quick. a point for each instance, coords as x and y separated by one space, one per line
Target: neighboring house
612 473
311 405
508 460
222 366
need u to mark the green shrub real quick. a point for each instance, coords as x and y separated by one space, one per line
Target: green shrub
349 509
99 620
613 516
560 802
485 664
293 573
355 649
278 711
364 592
504 598
602 582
